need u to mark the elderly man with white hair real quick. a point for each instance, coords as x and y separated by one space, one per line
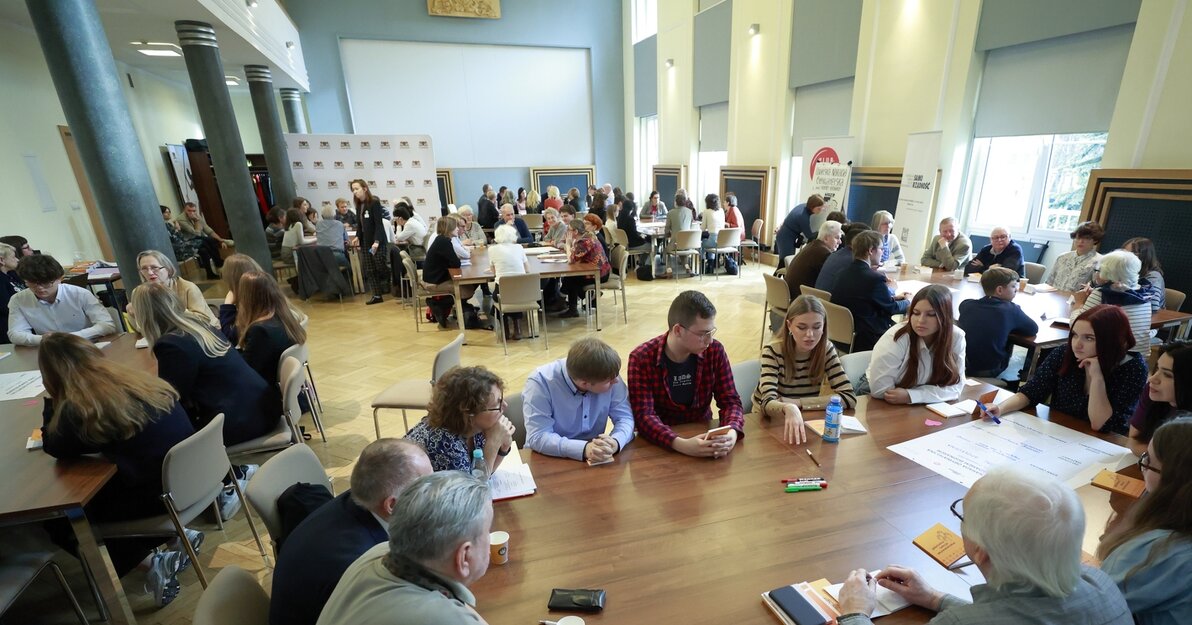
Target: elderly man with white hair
1023 530
1002 251
438 546
805 268
950 250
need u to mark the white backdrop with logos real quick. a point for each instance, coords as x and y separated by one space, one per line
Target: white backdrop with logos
816 150
394 166
916 197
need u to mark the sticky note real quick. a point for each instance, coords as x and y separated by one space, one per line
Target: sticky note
1118 483
931 423
942 544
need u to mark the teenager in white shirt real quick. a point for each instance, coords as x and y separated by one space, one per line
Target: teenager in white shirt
920 360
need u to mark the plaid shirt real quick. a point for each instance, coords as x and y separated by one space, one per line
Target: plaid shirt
653 409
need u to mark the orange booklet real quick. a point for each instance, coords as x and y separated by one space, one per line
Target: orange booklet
1118 483
942 544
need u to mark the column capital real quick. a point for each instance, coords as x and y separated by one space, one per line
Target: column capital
192 33
289 93
258 73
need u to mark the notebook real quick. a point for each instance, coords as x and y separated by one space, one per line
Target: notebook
888 601
948 411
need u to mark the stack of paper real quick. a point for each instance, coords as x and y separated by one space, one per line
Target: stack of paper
512 478
20 385
848 425
888 601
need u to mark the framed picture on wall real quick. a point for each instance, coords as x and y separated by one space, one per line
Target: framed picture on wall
446 188
667 180
564 178
752 186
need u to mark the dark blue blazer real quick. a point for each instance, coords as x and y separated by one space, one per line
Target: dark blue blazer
523 231
864 292
797 222
209 386
988 323
1010 258
315 556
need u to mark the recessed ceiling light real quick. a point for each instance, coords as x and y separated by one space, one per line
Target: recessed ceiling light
251 3
231 81
157 48
152 52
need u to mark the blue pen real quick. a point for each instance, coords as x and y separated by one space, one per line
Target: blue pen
986 411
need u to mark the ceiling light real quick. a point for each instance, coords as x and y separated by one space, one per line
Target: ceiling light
252 4
157 48
670 63
290 44
152 52
231 81
755 29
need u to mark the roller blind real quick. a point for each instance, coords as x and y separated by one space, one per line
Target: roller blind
824 41
645 77
713 128
712 51
1011 22
822 110
1058 86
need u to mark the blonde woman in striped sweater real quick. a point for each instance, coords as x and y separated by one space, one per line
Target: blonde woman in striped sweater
795 367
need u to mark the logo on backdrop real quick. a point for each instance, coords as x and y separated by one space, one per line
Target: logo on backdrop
331 184
409 183
324 145
424 144
365 145
359 165
397 164
372 183
318 164
385 145
823 155
405 145
311 184
390 184
304 145
426 182
378 164
326 203
296 164
339 164
415 163
345 145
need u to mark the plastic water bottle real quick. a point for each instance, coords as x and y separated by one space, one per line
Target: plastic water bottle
480 469
832 420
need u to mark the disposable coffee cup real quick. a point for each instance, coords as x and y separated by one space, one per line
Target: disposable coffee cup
959 273
1022 282
498 547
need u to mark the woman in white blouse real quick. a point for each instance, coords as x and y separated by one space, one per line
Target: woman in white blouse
1074 269
508 259
712 222
920 360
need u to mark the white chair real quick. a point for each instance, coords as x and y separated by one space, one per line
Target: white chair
301 353
617 278
778 299
823 295
234 597
520 294
417 289
192 476
840 325
415 394
296 464
755 240
745 377
687 245
728 243
515 412
854 366
1034 272
285 432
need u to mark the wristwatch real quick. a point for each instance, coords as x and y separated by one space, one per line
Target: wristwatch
504 452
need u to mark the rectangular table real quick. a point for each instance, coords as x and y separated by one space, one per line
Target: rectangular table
37 487
674 539
1044 308
480 272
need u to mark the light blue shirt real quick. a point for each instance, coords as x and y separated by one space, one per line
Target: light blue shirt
74 310
1158 593
561 419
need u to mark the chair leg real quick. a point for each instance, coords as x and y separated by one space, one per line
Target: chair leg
314 415
218 518
624 303
404 421
545 341
94 588
765 325
311 378
500 319
181 531
74 603
247 515
377 423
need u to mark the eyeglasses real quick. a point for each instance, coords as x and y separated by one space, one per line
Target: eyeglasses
958 509
499 408
1145 465
40 286
151 269
703 336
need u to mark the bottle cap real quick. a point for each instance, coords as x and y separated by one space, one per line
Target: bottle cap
476 453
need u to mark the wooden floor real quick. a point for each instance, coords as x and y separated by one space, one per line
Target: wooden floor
358 350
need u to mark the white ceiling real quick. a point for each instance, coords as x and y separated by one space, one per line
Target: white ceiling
153 20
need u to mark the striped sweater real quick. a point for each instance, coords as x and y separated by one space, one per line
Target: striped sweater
1132 302
773 384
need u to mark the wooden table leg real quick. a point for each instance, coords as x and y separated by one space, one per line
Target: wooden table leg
597 281
98 566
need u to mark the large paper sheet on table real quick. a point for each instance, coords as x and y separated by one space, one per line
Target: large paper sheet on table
20 385
965 453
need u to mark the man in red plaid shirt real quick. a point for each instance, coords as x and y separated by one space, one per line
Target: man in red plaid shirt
673 377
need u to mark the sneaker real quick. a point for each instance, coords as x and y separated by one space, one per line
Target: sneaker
195 538
244 472
162 581
229 503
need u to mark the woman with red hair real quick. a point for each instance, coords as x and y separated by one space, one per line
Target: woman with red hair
585 248
1096 378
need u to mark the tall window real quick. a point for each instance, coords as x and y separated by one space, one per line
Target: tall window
1032 184
645 19
647 155
708 176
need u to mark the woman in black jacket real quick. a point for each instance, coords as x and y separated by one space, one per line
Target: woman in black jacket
267 325
627 221
374 243
443 255
96 405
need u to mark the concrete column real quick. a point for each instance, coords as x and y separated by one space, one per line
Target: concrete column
80 61
281 178
291 101
206 70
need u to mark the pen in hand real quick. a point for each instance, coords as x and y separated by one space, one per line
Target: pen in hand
986 412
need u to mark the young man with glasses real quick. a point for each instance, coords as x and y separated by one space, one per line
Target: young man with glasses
1002 251
674 377
50 306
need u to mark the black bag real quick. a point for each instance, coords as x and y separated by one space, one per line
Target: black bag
730 266
441 306
645 272
295 504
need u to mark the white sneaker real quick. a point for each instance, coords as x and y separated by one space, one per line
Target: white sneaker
162 580
247 471
195 538
229 503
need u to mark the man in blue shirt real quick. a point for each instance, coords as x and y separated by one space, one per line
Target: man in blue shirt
1002 251
568 403
797 222
988 323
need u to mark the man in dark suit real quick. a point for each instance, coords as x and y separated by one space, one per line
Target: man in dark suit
320 549
1002 251
486 210
866 293
805 268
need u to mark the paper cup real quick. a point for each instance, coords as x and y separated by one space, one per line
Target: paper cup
1022 282
498 547
570 620
958 274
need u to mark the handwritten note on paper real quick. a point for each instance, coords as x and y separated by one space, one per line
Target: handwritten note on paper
20 385
507 484
942 544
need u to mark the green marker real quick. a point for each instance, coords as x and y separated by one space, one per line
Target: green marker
798 488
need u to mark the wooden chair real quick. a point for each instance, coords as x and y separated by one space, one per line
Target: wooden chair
520 294
840 325
778 299
728 243
820 293
1034 273
192 476
406 395
234 596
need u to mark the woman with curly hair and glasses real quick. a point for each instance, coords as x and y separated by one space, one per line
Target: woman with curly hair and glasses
466 412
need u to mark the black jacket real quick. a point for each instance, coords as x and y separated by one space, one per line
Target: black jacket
439 258
372 224
486 214
864 292
627 221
